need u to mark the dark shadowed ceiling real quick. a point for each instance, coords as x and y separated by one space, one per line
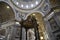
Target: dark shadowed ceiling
55 3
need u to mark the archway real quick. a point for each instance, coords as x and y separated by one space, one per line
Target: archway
6 12
6 17
40 21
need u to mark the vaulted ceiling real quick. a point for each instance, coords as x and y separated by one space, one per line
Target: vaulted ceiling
6 13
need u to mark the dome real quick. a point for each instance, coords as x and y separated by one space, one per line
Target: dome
26 4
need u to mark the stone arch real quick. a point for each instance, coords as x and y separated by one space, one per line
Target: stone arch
40 21
34 12
6 12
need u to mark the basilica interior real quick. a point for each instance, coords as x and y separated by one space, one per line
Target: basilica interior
29 19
